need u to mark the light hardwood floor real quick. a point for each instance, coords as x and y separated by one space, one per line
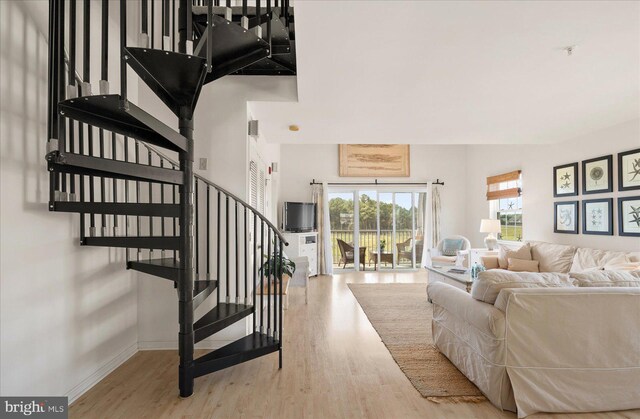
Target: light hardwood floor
335 366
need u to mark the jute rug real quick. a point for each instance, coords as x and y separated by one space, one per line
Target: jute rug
402 317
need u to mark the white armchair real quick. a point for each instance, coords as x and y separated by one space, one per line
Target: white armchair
436 256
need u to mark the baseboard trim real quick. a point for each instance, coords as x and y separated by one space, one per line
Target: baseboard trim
93 379
159 345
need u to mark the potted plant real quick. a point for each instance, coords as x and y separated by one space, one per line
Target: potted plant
274 262
383 244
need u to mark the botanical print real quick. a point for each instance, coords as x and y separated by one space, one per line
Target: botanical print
597 216
630 210
630 170
565 180
596 175
566 217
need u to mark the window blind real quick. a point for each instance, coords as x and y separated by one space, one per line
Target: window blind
494 182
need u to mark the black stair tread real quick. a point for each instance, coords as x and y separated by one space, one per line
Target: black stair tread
244 349
233 48
175 78
221 316
123 117
96 166
168 268
142 242
119 208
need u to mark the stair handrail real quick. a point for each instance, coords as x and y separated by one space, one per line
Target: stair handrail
221 189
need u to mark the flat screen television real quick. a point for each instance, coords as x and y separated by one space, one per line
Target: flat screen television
299 217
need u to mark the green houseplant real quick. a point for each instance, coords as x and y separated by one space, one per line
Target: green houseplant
274 262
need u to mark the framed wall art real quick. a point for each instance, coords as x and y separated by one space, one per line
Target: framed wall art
629 216
565 180
597 175
597 216
374 160
565 219
629 170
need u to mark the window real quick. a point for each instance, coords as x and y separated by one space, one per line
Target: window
504 193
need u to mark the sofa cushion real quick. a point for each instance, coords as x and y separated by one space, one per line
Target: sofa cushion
490 262
605 279
629 266
450 247
553 257
519 265
633 256
489 283
523 252
588 259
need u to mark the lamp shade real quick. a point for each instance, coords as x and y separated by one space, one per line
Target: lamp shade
490 226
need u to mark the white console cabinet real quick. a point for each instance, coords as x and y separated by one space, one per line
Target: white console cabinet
303 244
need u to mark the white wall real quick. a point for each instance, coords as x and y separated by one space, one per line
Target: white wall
67 313
300 164
536 163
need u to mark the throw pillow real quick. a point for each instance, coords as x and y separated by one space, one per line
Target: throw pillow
605 279
588 259
630 266
489 283
450 247
524 253
552 257
489 262
519 265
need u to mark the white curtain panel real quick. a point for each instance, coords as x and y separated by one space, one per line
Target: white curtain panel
318 199
326 232
426 222
436 208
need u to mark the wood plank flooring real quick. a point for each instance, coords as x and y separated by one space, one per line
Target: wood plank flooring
335 366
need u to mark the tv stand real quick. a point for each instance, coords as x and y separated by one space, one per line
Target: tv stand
303 244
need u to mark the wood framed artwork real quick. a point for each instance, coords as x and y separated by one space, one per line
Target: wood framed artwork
565 218
629 170
597 216
565 180
374 160
629 216
597 175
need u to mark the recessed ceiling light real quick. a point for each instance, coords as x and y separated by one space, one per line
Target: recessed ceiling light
294 128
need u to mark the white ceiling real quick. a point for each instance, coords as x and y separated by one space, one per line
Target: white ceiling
459 72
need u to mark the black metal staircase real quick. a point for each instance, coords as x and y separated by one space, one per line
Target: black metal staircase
104 163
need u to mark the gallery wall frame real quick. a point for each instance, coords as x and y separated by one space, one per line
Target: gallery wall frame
566 217
374 160
597 216
565 180
597 175
629 216
629 170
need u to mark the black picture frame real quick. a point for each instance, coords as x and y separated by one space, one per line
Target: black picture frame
576 221
621 215
621 175
586 175
608 216
576 184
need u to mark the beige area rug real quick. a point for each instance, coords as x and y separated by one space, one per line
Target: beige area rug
402 317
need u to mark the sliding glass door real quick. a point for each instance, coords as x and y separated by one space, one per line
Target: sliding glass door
377 229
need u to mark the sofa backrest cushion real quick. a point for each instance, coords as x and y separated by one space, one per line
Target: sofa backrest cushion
606 279
506 253
588 259
450 247
553 257
489 283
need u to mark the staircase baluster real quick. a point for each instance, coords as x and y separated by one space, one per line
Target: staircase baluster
279 337
153 24
166 17
218 243
61 86
209 36
126 193
262 269
244 21
114 182
254 284
270 261
175 219
208 228
276 276
86 91
258 27
92 228
103 216
246 260
173 26
237 246
52 120
227 251
81 181
197 230
137 161
150 199
123 44
144 21
162 220
268 26
285 3
72 88
104 90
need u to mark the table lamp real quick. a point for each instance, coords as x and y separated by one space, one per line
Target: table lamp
490 226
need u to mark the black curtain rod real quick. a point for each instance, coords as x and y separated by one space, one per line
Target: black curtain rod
375 182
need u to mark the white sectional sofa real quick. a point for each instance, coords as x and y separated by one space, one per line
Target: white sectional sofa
547 348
